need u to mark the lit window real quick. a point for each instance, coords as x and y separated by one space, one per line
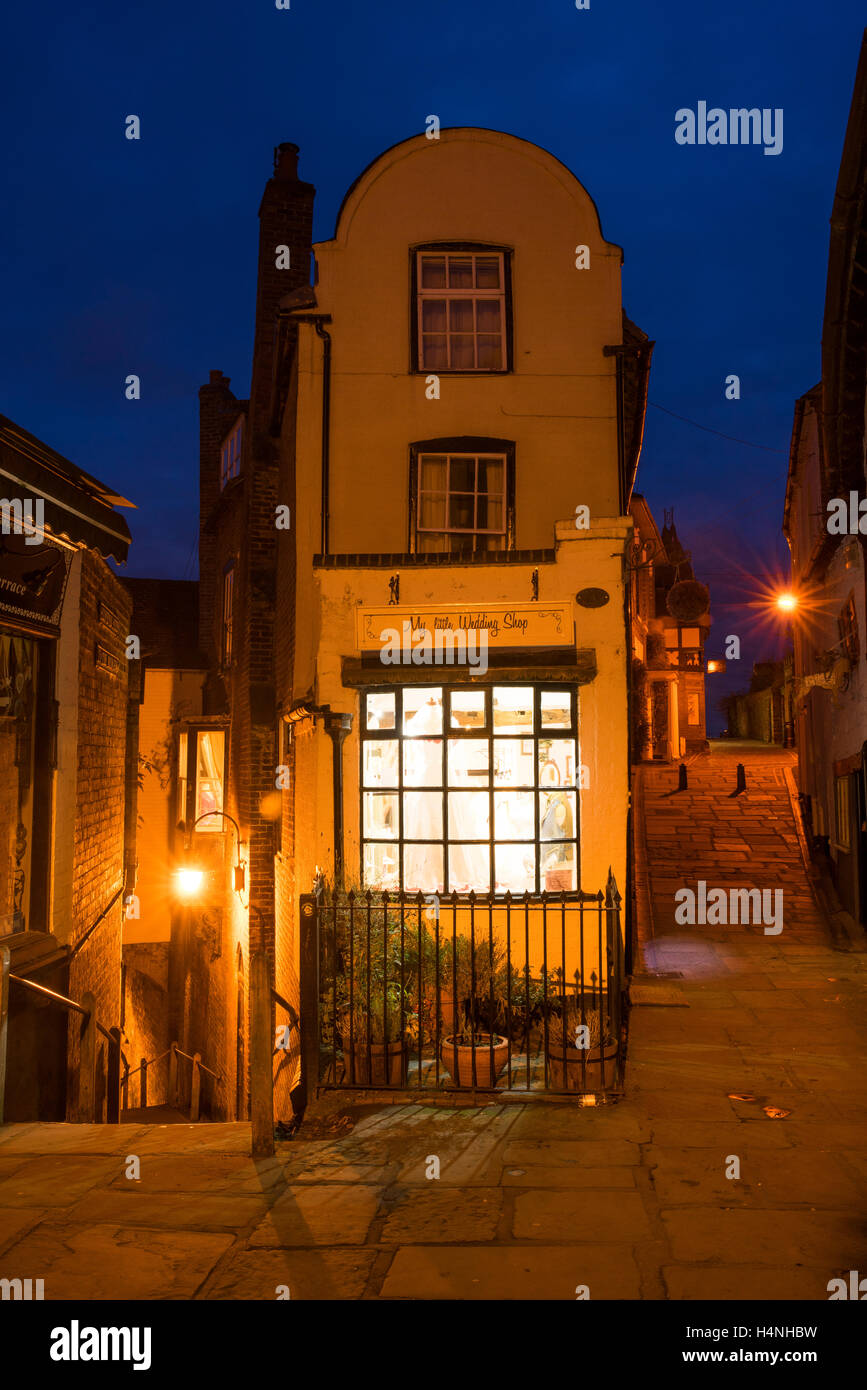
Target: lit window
461 311
201 766
230 454
842 813
470 790
226 616
847 626
461 502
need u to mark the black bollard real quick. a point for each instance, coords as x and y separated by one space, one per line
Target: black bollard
681 778
742 779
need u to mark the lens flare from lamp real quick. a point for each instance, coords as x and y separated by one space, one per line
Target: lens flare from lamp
787 603
189 882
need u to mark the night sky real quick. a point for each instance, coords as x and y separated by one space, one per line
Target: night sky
121 257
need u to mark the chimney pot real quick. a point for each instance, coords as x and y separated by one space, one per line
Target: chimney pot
286 161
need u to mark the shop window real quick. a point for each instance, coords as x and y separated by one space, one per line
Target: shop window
847 626
842 813
230 454
461 311
470 790
201 778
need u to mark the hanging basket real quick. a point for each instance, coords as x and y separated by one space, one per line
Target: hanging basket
687 600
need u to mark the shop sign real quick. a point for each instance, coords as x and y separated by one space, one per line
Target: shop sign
507 624
32 582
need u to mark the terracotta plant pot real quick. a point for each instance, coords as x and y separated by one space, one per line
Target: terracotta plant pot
457 1058
387 1064
568 1076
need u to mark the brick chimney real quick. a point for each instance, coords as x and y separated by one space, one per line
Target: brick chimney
285 219
218 409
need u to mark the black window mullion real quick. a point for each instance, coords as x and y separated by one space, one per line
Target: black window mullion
537 729
398 729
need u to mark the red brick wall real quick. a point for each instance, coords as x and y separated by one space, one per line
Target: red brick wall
99 821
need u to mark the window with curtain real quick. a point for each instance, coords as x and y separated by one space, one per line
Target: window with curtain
461 311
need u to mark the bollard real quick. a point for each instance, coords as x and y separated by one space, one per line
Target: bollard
742 779
681 778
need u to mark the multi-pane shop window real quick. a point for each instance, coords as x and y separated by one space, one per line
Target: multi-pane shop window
461 502
461 308
470 789
201 775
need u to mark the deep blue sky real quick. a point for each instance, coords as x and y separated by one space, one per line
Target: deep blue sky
120 256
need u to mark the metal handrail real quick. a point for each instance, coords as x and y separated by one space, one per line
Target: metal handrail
52 994
179 1051
91 929
147 1062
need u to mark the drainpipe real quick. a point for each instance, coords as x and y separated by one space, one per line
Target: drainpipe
337 726
326 426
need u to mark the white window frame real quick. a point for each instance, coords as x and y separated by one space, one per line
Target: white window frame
445 293
473 530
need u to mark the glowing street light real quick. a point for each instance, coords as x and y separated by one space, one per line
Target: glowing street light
189 882
787 602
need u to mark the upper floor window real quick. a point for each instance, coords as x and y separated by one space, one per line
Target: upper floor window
230 454
201 776
226 616
461 496
461 311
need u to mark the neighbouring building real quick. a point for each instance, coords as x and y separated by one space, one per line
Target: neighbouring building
441 439
66 802
670 624
827 477
766 711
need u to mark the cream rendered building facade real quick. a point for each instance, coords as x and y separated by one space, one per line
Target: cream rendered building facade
555 427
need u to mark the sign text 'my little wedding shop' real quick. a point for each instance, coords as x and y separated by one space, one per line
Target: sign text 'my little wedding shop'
506 625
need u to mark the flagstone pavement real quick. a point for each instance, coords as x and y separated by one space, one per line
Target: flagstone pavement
745 1055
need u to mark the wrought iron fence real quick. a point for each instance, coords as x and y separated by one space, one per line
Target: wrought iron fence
424 993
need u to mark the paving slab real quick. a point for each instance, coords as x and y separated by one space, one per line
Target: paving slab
324 1215
512 1272
113 1262
419 1216
773 1238
308 1274
571 1216
687 1283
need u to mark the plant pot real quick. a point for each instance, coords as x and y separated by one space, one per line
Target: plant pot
457 1058
569 1075
387 1064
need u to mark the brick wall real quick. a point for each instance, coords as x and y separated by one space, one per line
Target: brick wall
98 850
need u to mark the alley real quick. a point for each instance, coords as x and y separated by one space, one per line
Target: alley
742 1046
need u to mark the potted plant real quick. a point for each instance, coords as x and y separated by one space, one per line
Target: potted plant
472 1052
581 1051
375 1042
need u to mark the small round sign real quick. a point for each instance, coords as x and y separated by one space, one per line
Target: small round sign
592 598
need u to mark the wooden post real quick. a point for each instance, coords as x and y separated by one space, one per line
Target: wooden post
112 1079
173 1075
196 1089
5 960
143 1084
261 1079
87 1063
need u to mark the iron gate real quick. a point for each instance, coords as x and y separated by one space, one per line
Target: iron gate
424 993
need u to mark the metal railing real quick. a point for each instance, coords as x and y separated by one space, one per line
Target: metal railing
90 1027
173 1052
429 994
